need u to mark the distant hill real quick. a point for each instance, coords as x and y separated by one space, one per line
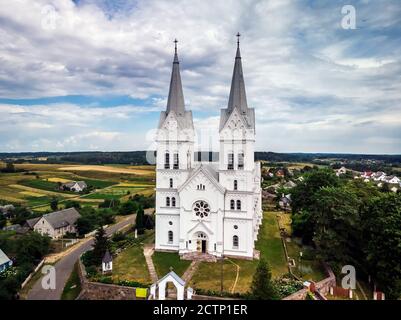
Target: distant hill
139 157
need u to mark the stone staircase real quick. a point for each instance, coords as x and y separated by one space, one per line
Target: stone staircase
198 256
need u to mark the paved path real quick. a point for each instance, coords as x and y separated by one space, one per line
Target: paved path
66 264
148 251
187 276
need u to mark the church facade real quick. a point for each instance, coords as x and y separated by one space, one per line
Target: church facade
207 207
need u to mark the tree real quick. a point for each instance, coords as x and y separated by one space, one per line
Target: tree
72 204
31 247
19 215
128 207
3 220
54 204
10 168
337 225
381 221
303 201
100 246
139 220
262 287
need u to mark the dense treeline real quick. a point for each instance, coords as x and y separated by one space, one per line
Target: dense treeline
351 223
139 157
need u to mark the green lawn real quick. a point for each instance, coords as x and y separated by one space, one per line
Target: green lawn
99 184
307 268
270 246
40 184
164 260
73 286
131 265
208 276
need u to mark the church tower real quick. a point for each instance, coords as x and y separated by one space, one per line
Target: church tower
237 131
174 158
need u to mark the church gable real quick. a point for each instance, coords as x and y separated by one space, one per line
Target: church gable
235 126
203 181
173 128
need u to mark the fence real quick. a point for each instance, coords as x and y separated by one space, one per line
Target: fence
32 273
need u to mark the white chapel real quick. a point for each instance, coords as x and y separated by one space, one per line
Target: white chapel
210 208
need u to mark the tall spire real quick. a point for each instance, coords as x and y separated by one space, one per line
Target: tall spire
175 100
237 91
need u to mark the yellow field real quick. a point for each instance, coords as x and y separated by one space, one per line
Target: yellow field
55 179
45 192
148 171
32 194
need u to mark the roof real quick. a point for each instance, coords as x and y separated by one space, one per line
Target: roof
184 120
107 257
237 99
175 101
31 222
175 276
3 258
62 218
81 184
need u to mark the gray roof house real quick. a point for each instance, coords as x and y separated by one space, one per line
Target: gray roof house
5 261
58 223
76 186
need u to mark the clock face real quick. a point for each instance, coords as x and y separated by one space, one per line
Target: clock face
201 209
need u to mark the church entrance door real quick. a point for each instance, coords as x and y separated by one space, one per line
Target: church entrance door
203 246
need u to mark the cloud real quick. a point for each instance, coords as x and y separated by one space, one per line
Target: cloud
315 86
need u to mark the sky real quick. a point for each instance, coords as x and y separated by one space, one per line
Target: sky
93 75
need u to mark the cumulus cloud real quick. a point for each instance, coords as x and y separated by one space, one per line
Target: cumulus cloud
315 86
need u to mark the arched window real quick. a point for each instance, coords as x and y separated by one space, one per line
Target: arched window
171 182
235 185
170 237
238 204
235 242
167 161
230 165
173 201
241 161
167 201
232 204
176 163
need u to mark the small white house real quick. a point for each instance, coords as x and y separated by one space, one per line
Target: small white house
107 262
341 171
76 186
379 176
5 261
392 180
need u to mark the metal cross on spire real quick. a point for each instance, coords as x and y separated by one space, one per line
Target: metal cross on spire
175 45
238 35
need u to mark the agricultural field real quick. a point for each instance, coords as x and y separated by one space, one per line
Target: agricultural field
39 183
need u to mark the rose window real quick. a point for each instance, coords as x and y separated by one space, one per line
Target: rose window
201 209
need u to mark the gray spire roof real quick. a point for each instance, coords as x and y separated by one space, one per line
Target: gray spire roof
237 99
175 100
237 92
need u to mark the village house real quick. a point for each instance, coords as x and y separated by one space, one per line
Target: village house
367 174
76 186
392 179
378 176
56 224
5 261
341 171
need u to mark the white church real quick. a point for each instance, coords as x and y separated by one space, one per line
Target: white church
207 208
